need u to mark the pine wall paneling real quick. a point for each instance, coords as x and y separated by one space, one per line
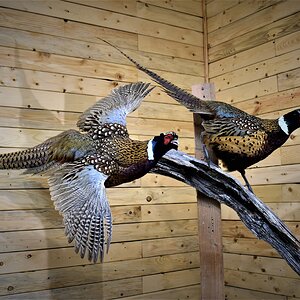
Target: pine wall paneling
53 66
254 63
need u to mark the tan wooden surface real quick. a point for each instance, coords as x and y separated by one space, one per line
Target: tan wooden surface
53 66
254 55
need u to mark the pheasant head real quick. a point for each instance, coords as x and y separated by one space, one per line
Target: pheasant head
290 121
161 144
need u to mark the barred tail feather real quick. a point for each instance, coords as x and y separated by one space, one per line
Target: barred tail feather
25 159
51 154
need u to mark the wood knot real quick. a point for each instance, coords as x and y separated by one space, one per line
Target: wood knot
119 76
148 198
44 54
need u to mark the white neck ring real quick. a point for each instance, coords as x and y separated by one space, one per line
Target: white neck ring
150 150
283 125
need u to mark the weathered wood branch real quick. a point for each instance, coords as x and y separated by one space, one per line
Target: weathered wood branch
216 184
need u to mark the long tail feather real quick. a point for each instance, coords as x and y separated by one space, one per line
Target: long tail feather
183 97
25 159
51 154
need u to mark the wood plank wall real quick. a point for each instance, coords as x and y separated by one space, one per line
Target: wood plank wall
53 66
254 62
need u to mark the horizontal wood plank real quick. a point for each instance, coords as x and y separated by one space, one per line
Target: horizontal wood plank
242 59
237 229
170 280
40 198
236 13
215 7
278 193
112 289
56 120
43 61
172 48
63 277
287 43
267 68
127 7
171 17
62 257
249 90
167 212
289 79
40 80
277 101
288 211
263 283
89 15
246 294
27 20
255 38
274 175
86 50
38 239
170 246
258 264
260 19
49 218
194 7
189 292
248 246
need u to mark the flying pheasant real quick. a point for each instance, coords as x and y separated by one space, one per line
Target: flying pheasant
81 165
237 138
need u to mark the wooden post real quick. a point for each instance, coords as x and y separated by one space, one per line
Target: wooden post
209 221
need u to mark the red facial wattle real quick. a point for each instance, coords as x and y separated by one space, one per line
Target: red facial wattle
168 138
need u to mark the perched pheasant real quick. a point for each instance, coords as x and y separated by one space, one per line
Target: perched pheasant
81 165
237 138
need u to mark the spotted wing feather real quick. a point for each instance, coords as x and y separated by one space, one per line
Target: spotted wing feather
232 126
115 107
79 195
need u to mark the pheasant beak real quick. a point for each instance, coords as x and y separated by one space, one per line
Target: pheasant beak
175 142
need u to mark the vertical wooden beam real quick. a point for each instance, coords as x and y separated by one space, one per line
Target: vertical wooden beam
209 221
209 210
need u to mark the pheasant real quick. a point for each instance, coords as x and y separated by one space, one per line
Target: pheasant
81 165
237 138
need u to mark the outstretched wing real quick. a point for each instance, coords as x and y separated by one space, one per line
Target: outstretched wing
115 107
79 195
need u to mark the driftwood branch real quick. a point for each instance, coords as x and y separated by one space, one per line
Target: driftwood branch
214 183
